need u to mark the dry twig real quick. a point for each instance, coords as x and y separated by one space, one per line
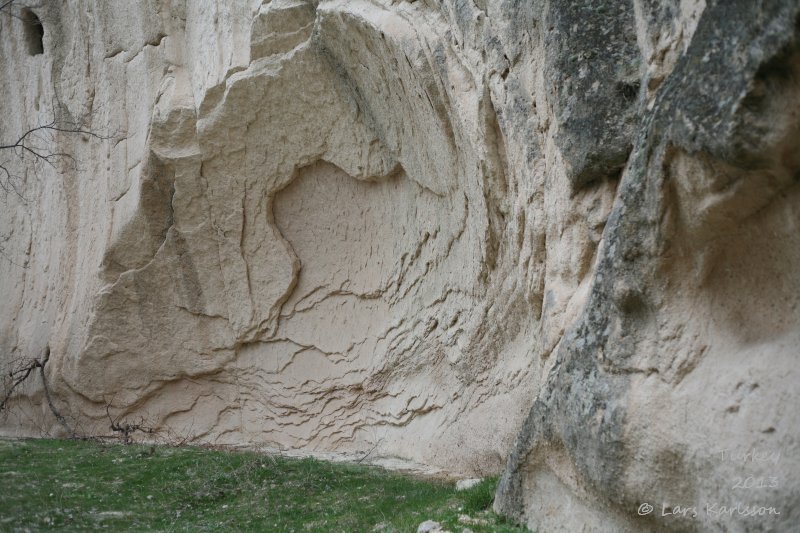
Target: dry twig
19 376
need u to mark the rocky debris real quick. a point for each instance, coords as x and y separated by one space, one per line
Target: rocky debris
470 521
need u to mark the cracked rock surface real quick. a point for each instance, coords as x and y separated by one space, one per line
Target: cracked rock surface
554 239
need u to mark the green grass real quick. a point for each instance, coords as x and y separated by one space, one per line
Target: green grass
74 486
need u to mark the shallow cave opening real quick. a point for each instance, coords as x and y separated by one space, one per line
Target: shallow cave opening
34 32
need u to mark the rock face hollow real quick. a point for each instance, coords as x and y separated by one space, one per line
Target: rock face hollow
557 240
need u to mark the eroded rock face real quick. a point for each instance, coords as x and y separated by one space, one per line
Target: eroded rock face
352 226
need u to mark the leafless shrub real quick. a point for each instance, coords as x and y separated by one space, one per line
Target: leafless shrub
126 429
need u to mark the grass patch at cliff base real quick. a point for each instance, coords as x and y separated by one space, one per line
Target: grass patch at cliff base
74 485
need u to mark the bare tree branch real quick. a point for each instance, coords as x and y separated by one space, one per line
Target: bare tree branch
34 144
17 378
9 12
21 374
125 428
56 413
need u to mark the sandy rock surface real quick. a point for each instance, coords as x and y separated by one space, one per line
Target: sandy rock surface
554 239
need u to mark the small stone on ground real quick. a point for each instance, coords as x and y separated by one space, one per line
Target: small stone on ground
464 484
429 526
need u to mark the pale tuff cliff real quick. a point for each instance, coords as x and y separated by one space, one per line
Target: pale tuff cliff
559 238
